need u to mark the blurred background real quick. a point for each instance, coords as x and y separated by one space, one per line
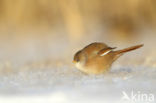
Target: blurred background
39 34
40 27
33 24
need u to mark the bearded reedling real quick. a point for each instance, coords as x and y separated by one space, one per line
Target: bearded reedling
97 58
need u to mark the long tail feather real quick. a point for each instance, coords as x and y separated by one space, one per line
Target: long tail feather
129 49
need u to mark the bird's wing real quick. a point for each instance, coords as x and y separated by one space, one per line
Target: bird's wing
105 51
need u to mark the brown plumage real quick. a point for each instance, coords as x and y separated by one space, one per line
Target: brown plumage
97 58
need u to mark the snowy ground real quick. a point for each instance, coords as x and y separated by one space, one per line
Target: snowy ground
65 84
54 79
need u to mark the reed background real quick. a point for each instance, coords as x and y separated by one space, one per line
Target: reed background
77 18
32 30
39 29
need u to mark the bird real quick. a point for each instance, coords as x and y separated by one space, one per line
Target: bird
97 58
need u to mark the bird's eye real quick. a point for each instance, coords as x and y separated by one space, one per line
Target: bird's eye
77 59
77 56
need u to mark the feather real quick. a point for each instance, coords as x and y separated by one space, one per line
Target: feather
105 51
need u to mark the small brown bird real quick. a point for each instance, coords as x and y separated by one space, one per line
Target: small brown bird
97 58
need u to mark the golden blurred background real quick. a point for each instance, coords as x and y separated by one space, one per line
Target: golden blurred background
38 27
77 18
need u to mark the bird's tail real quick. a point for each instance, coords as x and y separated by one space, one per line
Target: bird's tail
129 49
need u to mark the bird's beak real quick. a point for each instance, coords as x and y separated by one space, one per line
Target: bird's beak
74 61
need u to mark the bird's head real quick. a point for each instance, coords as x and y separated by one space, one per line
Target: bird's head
80 57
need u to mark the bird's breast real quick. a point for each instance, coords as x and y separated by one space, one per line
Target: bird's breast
81 67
